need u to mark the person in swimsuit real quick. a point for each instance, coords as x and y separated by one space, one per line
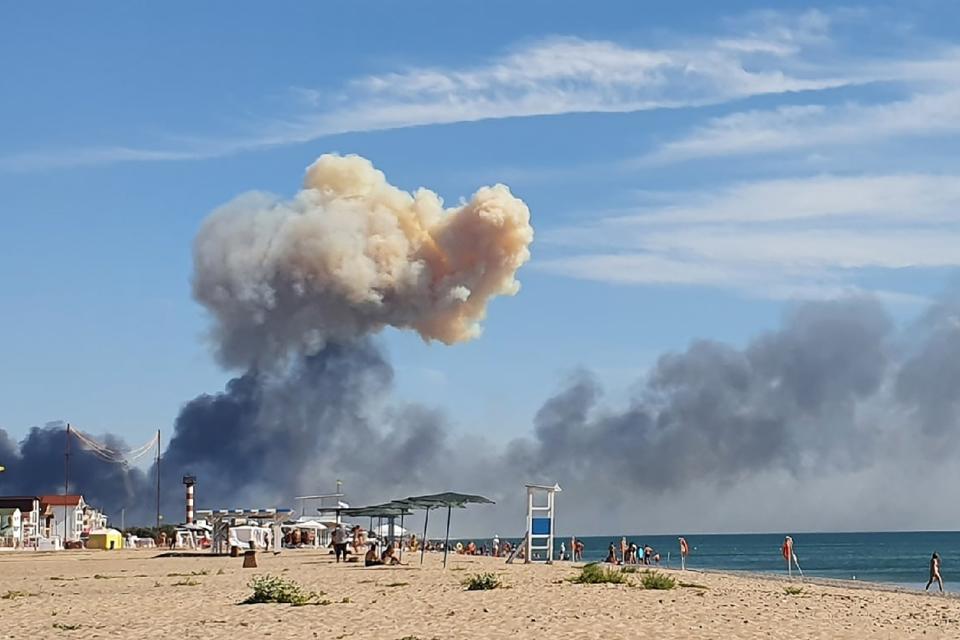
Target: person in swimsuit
612 555
371 559
935 572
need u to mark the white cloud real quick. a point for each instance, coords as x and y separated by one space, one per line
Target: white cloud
802 127
804 237
907 198
554 76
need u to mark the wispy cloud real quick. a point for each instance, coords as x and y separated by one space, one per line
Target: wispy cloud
553 76
779 238
793 127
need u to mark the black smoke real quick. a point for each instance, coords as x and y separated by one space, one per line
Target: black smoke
35 466
836 392
270 436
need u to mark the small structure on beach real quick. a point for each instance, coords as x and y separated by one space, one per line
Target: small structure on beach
106 539
449 500
223 520
538 541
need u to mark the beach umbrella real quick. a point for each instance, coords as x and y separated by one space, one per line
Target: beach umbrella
449 500
389 510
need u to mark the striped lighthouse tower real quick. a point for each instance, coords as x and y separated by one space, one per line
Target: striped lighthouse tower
189 481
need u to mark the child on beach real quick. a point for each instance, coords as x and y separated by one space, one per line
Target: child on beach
935 572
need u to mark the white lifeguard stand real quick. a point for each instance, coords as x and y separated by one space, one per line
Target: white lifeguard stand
540 510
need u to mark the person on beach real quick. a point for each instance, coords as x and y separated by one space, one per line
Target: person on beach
371 559
340 542
578 552
624 547
390 555
935 572
496 546
563 550
612 555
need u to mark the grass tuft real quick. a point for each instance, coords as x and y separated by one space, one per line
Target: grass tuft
397 584
793 591
186 582
13 595
595 573
657 580
267 589
66 627
693 585
482 582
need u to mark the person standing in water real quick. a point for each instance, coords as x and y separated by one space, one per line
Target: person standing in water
935 572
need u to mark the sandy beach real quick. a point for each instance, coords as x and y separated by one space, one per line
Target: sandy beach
134 594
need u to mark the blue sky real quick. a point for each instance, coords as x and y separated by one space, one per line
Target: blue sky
691 168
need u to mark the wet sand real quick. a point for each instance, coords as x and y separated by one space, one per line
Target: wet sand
134 594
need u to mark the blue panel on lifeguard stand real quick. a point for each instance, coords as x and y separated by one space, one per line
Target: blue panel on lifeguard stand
541 527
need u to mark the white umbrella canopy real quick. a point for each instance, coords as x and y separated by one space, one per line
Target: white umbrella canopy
308 524
383 531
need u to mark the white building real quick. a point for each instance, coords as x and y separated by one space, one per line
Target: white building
11 531
30 521
55 509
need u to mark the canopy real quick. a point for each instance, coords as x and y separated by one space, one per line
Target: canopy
449 499
305 524
386 510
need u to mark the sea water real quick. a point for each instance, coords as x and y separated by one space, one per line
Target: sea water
901 559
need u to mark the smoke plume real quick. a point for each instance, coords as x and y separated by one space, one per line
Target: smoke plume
350 254
295 289
837 408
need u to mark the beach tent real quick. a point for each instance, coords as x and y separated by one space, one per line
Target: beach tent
243 536
449 500
385 531
105 539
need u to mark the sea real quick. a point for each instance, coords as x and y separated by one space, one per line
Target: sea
900 559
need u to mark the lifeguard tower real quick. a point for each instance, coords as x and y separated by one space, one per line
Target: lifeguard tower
538 546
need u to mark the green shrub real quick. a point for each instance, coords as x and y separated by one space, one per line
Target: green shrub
13 595
657 580
793 591
594 573
274 589
482 582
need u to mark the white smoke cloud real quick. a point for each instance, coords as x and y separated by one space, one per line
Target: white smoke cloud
350 254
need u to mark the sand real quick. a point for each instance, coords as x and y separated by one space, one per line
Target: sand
133 594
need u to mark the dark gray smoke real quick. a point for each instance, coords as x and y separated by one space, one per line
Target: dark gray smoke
272 436
834 391
35 466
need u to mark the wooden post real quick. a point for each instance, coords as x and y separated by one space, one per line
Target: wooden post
158 480
66 482
446 541
423 542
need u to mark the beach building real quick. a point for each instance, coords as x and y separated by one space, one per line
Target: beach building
93 519
11 532
55 508
106 539
30 521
